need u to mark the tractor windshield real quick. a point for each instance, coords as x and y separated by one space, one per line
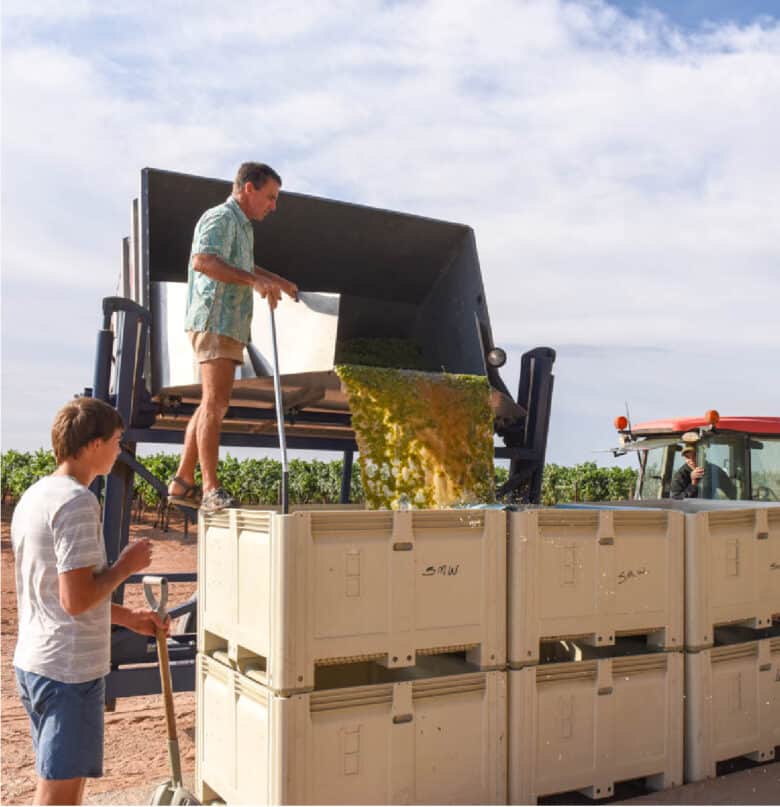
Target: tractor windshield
765 468
736 466
652 463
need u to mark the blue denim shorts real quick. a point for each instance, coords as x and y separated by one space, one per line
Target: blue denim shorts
66 721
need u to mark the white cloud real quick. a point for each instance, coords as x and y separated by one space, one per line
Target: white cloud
620 173
47 11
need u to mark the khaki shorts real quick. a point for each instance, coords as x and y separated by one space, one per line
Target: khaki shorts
208 346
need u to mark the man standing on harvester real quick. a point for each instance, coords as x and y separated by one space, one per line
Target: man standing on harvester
221 279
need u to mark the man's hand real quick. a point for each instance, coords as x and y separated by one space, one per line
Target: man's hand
280 285
147 623
696 474
135 557
287 286
268 289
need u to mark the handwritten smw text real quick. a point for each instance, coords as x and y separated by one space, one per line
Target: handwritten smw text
627 575
443 569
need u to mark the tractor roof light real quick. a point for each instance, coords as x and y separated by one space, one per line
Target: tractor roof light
712 417
621 423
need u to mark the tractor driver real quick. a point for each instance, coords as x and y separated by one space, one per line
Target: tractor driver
221 279
685 483
687 479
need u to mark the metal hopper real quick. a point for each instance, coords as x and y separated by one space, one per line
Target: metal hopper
369 273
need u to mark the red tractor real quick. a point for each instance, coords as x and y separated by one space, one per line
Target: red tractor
740 456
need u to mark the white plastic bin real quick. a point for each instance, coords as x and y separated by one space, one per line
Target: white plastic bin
337 586
588 724
732 705
732 568
593 574
427 741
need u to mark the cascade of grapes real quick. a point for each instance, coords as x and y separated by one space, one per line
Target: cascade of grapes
425 438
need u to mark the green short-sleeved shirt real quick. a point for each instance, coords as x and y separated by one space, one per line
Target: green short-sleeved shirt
214 306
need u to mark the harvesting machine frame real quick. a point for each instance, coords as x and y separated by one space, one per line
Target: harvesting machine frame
125 365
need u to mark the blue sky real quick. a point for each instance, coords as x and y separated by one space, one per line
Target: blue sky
618 163
702 13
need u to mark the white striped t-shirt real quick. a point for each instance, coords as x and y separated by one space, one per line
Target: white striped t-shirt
55 529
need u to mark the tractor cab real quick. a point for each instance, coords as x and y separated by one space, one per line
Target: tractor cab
740 455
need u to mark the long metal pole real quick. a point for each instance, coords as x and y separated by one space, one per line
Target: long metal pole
280 416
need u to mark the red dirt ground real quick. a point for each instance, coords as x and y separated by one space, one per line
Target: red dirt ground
135 745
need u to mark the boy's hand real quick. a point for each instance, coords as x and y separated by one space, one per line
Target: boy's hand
135 557
147 623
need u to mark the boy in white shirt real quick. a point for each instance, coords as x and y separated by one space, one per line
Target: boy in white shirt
63 589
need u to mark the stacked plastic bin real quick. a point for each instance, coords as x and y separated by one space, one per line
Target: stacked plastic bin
732 660
352 657
580 581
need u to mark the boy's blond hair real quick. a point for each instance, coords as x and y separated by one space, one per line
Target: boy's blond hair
79 422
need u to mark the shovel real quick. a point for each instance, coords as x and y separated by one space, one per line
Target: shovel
172 791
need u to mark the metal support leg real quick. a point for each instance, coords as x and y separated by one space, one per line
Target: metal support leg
102 379
538 387
346 477
529 443
117 504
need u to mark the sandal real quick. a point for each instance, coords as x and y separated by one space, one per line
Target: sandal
190 497
216 500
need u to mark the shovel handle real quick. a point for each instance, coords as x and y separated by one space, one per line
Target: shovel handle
165 681
156 605
170 715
